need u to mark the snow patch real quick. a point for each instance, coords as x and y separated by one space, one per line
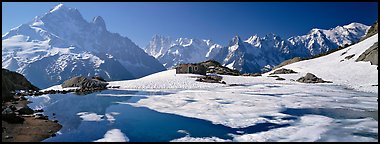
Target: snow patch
87 116
114 135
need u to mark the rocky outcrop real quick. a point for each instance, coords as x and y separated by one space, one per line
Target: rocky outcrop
211 79
371 31
311 78
83 82
252 74
289 61
12 81
99 78
10 116
283 71
213 66
371 55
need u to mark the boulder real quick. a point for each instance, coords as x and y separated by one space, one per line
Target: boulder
280 78
83 82
10 116
311 78
25 110
283 71
210 79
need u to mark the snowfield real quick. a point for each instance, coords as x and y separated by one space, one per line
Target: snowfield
325 112
334 67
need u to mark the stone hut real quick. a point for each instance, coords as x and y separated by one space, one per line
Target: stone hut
191 68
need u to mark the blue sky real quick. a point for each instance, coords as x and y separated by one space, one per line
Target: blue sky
218 21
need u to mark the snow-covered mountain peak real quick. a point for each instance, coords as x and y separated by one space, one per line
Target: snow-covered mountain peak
236 40
252 39
355 25
50 49
98 21
58 7
184 41
272 37
61 12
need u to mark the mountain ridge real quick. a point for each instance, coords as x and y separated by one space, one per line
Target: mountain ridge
61 44
261 54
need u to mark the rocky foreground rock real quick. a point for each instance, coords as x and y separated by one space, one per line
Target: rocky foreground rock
83 82
311 78
371 55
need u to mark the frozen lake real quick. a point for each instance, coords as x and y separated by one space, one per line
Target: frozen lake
115 115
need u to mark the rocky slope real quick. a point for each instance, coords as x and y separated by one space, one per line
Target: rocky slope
12 81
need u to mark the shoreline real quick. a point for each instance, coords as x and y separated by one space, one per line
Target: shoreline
31 130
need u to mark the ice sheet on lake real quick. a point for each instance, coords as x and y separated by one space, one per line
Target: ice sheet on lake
87 116
114 135
201 139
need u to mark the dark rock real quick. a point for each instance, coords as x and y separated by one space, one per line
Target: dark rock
311 78
12 107
53 114
349 57
98 78
12 81
22 98
56 121
279 78
26 110
50 131
210 79
53 135
371 55
39 110
40 116
273 76
8 137
283 71
236 85
10 116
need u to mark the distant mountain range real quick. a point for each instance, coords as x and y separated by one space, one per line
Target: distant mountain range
255 54
182 50
61 44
